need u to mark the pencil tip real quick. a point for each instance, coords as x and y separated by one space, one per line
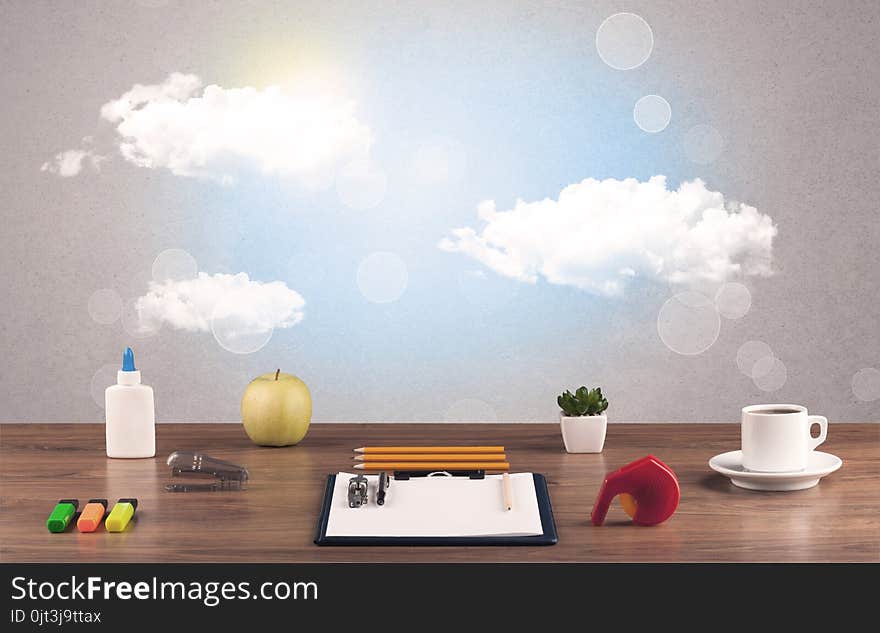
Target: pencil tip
359 466
359 458
359 450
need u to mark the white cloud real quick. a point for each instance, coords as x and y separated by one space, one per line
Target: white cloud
70 162
601 234
215 132
192 304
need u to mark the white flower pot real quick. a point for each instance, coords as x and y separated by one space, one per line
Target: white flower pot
584 434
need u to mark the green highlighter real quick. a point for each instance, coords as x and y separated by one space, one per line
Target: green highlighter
120 515
62 514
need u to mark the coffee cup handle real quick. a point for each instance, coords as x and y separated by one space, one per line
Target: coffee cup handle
822 421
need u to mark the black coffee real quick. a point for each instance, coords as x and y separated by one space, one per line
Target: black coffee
776 411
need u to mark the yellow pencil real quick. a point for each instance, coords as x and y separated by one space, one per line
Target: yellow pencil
429 449
432 466
431 457
506 492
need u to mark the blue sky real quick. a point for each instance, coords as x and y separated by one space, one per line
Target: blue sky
531 118
530 112
526 133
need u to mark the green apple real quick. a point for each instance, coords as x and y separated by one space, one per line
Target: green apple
276 409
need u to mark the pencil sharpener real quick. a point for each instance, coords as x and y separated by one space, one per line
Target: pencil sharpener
357 492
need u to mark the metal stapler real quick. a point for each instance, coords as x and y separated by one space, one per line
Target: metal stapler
223 475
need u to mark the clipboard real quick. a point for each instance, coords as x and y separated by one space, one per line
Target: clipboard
549 536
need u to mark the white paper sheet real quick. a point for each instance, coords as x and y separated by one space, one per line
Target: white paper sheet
438 506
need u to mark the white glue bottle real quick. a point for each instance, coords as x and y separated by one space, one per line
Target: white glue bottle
131 413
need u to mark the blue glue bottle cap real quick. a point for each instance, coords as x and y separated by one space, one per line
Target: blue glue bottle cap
128 360
129 375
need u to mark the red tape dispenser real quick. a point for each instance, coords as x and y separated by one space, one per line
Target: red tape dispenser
648 491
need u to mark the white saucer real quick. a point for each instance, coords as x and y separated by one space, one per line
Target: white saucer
819 464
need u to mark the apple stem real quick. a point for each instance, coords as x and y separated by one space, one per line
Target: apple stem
277 372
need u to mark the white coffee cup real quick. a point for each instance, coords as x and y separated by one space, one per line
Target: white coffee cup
776 437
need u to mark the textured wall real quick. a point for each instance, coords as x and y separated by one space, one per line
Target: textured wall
792 88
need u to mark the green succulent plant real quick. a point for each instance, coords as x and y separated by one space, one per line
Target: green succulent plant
582 402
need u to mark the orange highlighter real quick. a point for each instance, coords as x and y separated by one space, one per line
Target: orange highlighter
92 515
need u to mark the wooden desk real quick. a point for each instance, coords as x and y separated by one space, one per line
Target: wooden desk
274 520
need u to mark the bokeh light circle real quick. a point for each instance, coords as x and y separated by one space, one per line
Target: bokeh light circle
866 384
471 410
770 374
103 378
624 41
763 366
688 323
134 325
105 306
233 331
733 300
382 277
361 185
750 354
700 288
652 113
174 264
703 144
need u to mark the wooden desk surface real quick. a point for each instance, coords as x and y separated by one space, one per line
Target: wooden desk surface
274 520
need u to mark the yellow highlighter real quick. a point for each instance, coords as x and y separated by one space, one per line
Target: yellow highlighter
120 515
